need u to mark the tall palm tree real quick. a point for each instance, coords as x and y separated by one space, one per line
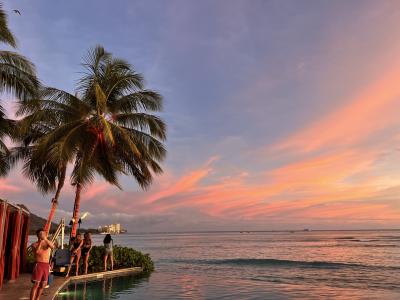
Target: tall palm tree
108 128
17 77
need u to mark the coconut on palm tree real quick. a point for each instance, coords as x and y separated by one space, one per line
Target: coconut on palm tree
17 77
106 129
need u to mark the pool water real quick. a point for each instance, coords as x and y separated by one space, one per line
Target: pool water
121 287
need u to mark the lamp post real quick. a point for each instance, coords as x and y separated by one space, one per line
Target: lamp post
70 229
79 222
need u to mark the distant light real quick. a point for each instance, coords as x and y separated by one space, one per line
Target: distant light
84 215
66 293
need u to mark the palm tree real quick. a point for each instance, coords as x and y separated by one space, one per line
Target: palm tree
6 126
107 128
47 176
17 77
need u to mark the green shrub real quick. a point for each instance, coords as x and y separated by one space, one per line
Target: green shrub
124 257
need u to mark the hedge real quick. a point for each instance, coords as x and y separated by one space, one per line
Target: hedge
124 257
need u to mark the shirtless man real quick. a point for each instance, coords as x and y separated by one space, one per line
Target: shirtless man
40 273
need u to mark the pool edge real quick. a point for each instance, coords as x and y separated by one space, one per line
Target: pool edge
93 276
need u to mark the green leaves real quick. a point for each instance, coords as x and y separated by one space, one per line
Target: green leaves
106 129
17 77
101 99
124 257
5 34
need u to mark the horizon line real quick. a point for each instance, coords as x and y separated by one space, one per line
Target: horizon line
250 231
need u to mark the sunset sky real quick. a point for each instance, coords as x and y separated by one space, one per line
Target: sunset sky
281 114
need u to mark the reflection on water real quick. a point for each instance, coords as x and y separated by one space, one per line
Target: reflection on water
107 288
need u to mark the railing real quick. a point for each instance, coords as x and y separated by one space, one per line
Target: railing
60 230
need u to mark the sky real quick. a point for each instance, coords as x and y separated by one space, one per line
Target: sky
281 114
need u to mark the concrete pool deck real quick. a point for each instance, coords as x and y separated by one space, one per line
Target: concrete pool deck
20 288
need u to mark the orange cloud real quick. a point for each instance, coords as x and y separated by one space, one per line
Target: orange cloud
369 111
320 183
185 184
293 190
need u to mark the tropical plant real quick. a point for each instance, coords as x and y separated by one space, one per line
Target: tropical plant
6 126
47 176
17 77
124 257
107 128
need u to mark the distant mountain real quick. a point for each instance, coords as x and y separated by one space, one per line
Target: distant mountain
37 222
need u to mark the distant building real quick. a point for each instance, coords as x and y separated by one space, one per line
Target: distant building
112 228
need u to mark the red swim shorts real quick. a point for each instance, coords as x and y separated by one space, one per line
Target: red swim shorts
41 272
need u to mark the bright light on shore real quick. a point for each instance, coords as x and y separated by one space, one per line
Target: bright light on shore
84 215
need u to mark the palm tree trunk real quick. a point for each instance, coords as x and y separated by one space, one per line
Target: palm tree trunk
54 201
77 203
51 215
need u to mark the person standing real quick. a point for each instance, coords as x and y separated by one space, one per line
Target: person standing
40 274
108 251
75 252
87 246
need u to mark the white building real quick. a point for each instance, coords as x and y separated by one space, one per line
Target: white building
112 228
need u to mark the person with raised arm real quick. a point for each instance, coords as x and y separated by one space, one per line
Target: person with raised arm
40 274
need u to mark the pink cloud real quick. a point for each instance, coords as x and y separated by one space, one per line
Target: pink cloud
96 189
369 111
8 187
185 184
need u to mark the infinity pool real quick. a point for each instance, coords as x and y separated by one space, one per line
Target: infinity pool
121 288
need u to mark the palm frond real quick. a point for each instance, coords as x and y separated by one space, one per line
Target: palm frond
144 122
145 100
6 35
17 75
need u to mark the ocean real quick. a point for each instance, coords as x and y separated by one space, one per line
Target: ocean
257 265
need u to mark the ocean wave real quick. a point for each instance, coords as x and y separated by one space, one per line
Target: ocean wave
380 246
283 262
259 262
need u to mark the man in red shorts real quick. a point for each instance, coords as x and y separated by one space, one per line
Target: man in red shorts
40 274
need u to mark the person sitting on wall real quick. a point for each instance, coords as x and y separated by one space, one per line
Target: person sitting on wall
40 274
